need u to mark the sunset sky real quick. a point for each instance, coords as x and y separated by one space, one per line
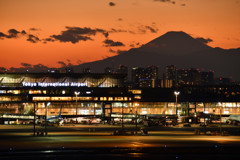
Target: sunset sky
53 32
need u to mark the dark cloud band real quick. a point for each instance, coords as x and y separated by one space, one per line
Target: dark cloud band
111 43
204 40
168 1
76 34
13 33
111 4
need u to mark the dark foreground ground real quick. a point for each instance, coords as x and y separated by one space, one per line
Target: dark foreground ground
127 153
78 142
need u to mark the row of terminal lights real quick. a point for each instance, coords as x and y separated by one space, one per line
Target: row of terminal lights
84 98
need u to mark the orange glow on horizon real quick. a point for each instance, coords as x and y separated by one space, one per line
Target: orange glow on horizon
217 20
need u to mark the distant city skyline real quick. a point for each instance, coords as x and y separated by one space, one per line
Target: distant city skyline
55 33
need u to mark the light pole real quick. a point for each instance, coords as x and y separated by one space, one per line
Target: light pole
76 93
136 105
176 94
122 116
34 119
46 105
220 105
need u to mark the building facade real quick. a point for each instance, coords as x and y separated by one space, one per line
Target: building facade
103 95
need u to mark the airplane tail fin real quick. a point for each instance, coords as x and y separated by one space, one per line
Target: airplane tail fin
60 113
164 110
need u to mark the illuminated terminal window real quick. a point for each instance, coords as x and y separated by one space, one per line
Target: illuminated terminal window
135 91
103 98
118 98
44 92
34 92
117 104
136 104
85 98
137 97
110 98
14 91
200 105
10 98
61 98
229 104
2 91
125 98
18 116
5 99
41 98
95 98
84 112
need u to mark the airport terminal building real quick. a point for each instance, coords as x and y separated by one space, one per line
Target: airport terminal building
103 95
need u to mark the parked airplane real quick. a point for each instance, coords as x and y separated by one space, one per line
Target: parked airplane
56 119
233 119
82 120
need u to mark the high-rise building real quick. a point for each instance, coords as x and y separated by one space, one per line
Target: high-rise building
182 77
171 73
224 81
166 83
145 77
207 78
151 72
191 76
137 74
194 76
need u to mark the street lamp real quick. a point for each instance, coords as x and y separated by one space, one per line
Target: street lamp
46 105
220 105
34 119
136 105
76 93
176 94
122 117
